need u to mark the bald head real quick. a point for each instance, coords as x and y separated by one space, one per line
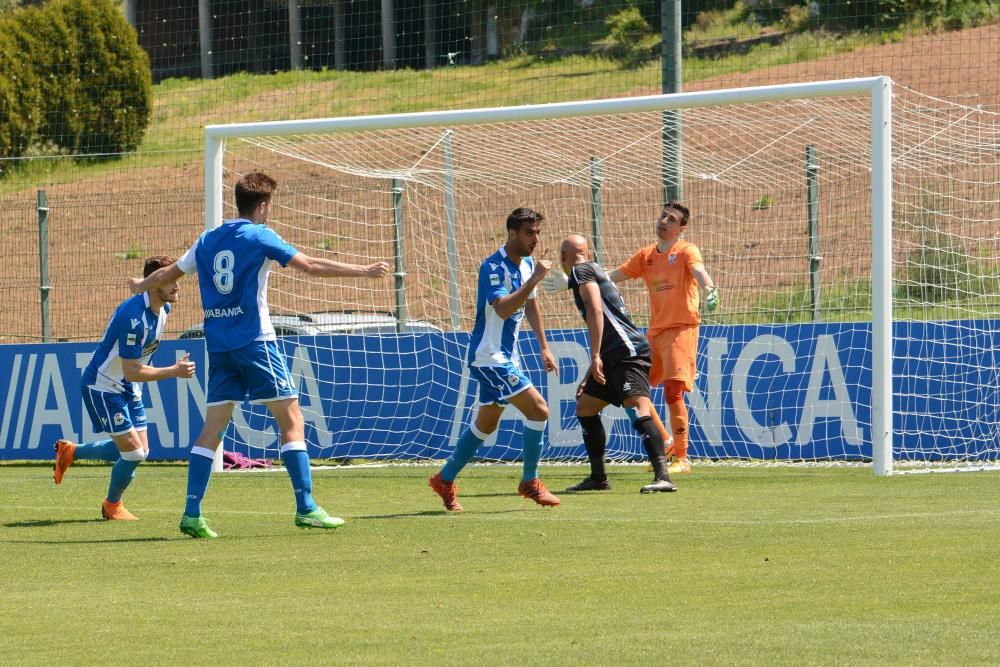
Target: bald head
574 250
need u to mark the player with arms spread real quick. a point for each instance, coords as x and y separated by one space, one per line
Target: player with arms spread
233 262
505 297
619 368
112 388
675 274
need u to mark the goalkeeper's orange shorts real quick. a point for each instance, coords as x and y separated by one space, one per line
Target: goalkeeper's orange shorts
674 352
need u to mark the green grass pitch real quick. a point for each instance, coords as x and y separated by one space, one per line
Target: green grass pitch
743 566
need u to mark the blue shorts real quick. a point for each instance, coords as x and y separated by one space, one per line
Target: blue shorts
257 370
113 413
498 383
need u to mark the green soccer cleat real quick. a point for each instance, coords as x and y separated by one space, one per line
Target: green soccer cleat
318 518
196 526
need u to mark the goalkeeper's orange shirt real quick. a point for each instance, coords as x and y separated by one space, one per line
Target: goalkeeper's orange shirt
673 289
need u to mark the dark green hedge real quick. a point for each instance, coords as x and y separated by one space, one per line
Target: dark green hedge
80 81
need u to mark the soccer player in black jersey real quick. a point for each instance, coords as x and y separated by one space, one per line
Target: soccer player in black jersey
620 360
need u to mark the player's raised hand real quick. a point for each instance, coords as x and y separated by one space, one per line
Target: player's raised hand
184 368
542 267
376 270
555 281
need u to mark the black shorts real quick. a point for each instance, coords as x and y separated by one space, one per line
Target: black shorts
629 377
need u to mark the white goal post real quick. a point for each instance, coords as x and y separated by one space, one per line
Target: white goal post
328 167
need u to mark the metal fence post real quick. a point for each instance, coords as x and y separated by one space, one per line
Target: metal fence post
43 264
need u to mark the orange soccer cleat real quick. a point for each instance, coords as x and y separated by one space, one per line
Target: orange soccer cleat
64 459
116 512
448 492
535 490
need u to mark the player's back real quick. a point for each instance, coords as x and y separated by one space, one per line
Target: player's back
234 263
621 339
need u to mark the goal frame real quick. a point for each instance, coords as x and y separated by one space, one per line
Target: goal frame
878 89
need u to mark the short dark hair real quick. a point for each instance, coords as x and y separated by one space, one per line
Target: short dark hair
157 262
252 189
521 216
680 208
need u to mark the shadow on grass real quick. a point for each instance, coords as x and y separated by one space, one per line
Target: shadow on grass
119 540
41 523
441 512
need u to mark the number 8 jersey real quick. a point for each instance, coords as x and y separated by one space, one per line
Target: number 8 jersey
234 262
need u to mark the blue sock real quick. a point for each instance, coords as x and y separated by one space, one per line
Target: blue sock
297 464
531 444
465 448
122 473
102 450
199 472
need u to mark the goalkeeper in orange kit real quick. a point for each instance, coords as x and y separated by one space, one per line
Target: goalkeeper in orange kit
675 275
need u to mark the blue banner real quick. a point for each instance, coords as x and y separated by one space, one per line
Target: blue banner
763 392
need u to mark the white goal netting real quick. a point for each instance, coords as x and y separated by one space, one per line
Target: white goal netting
781 200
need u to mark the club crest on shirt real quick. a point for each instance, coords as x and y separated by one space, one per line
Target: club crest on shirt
130 339
494 279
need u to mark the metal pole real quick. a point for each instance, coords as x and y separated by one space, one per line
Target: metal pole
812 206
596 208
295 34
388 36
205 37
450 214
672 76
881 98
397 206
43 264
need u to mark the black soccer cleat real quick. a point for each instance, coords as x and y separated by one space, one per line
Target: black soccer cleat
659 486
590 484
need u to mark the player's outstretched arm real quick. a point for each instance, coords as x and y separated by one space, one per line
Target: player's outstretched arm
618 276
320 267
162 276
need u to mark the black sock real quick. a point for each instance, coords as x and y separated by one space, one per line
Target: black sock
652 440
594 439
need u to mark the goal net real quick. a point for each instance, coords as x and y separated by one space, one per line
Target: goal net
854 247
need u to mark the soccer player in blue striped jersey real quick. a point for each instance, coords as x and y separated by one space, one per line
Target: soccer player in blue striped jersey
112 388
233 262
620 360
505 298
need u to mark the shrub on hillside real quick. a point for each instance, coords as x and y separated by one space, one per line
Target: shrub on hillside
20 100
74 78
109 85
54 52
